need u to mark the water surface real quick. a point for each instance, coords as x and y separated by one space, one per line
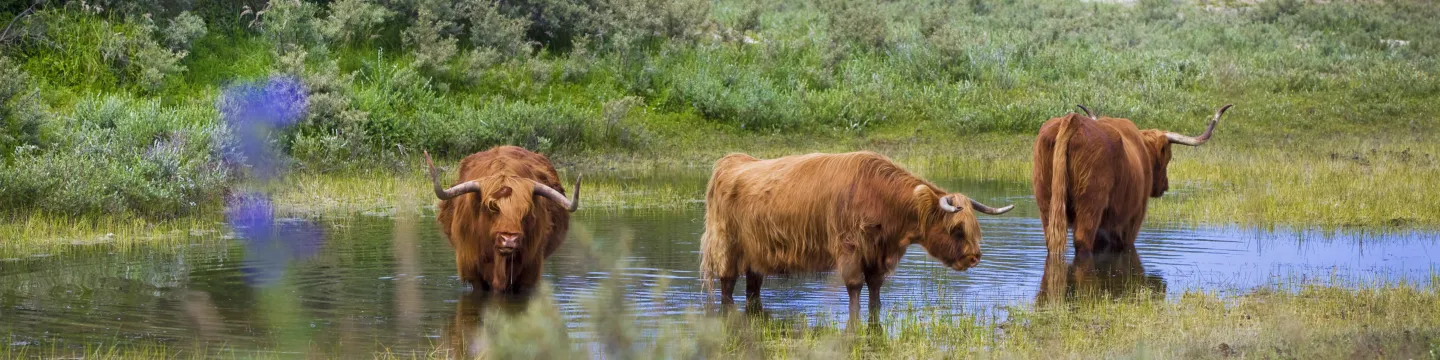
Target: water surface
362 283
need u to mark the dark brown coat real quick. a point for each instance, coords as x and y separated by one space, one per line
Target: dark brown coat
1099 175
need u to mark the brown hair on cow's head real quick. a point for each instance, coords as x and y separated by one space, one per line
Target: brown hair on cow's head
1158 143
1159 148
949 230
506 203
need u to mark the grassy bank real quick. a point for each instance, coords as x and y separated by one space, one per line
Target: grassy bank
130 92
1311 322
1347 183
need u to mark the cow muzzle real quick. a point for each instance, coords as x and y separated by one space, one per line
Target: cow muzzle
507 243
965 262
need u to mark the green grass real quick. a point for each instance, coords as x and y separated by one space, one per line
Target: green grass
964 85
1347 183
45 233
1309 321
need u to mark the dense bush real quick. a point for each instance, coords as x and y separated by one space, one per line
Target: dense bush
120 156
384 78
22 114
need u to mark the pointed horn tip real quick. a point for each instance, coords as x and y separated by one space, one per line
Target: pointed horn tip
1005 209
1221 111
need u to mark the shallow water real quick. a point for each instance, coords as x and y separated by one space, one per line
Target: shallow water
364 283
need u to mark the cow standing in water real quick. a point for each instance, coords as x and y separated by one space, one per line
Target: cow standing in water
1098 174
506 213
854 213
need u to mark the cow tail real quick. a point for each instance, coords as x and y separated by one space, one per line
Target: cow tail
1059 186
713 249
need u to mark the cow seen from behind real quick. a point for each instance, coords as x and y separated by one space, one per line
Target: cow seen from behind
1097 175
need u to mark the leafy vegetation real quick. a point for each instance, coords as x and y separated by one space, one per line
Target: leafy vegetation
637 79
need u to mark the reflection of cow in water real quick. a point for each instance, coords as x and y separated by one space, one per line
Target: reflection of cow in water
517 323
1106 274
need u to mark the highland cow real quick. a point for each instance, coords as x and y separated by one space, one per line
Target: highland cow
506 213
855 213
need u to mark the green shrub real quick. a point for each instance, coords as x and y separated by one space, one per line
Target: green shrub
491 30
354 20
183 30
128 53
333 130
858 22
292 26
121 156
22 114
429 40
643 21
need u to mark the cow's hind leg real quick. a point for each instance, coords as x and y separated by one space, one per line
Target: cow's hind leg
1087 227
727 289
753 280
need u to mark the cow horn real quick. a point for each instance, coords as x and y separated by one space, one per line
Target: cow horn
1087 112
1198 140
453 191
945 205
989 210
571 204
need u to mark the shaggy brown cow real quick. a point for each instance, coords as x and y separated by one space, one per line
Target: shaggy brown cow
504 216
1099 174
854 213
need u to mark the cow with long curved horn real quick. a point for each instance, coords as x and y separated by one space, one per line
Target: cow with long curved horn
852 213
1198 140
1097 177
504 216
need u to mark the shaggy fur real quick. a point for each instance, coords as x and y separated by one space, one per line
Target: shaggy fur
1098 174
508 205
854 213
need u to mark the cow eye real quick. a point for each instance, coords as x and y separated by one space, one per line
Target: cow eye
493 205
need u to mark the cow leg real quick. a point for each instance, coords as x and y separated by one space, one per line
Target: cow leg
752 287
854 290
853 275
753 304
1087 227
1127 240
529 276
874 281
727 289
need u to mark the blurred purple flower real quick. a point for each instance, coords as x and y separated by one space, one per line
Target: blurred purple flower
253 111
270 243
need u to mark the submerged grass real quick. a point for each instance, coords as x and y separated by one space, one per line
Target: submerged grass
43 233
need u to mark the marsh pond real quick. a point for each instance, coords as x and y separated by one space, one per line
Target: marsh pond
380 281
